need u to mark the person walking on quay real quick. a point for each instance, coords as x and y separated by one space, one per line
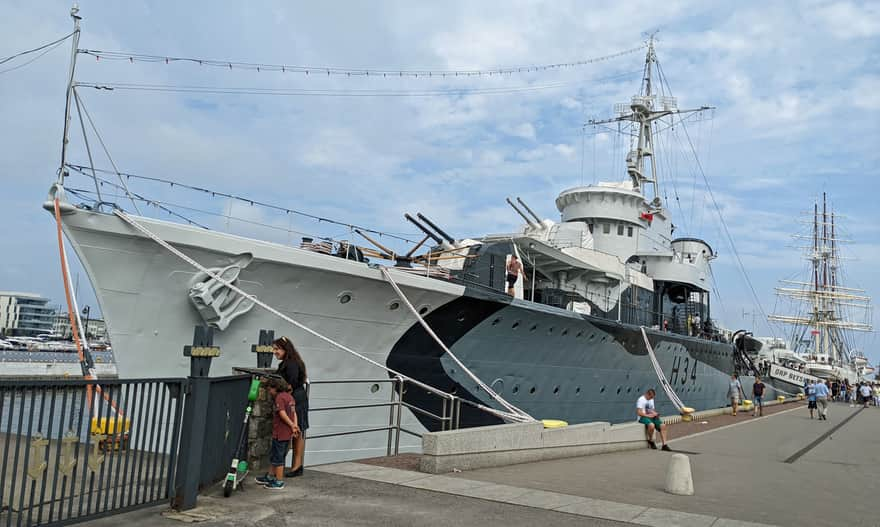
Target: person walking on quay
811 397
293 370
649 417
877 394
865 392
734 390
284 429
758 396
822 393
853 395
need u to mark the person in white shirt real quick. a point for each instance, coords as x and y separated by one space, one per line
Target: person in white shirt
649 417
865 392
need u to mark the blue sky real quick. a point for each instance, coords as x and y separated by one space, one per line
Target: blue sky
795 85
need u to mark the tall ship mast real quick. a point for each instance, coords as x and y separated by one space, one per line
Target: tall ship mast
828 312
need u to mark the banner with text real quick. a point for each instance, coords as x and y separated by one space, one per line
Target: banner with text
789 375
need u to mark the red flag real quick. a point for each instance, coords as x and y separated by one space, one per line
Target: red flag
647 216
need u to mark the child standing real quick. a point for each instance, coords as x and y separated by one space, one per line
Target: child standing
284 429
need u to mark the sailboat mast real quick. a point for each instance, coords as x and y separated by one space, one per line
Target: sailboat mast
816 275
74 14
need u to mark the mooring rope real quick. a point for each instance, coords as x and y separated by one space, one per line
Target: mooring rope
80 336
451 355
146 232
664 383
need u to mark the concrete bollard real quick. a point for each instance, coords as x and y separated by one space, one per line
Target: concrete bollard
678 476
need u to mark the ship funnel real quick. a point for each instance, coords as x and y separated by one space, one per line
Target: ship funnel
530 211
435 227
520 213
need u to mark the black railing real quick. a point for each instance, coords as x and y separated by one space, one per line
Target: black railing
76 450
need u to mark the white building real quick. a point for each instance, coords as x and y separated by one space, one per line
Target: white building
96 327
25 314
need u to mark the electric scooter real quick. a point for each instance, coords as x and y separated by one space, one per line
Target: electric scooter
238 469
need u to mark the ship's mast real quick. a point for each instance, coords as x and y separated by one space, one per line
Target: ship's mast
74 14
643 110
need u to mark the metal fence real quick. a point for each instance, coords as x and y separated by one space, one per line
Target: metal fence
76 450
448 419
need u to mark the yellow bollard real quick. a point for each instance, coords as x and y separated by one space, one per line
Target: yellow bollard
781 398
554 423
687 414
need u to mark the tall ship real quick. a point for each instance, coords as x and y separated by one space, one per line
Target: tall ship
828 313
603 295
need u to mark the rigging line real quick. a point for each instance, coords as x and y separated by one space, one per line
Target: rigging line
215 193
349 72
88 149
170 88
727 233
44 46
134 195
104 146
83 193
38 57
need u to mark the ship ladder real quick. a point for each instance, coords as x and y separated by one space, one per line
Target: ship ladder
509 416
685 411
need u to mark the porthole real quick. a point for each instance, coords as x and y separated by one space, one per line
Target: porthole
515 325
602 390
550 331
564 332
344 297
532 390
516 389
394 305
496 321
618 389
374 388
498 385
556 390
629 390
577 391
579 334
423 310
534 327
591 337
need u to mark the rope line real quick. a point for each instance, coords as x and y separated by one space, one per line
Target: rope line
214 193
451 355
80 335
664 383
218 90
345 71
146 232
44 46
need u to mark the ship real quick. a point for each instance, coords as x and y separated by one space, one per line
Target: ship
828 312
603 291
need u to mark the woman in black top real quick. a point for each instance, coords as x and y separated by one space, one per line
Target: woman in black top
292 368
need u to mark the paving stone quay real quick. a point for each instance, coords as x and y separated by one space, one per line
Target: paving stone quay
783 469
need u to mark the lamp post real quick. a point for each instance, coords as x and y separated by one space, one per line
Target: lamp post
85 312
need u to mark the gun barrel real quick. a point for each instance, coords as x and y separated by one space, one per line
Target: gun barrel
435 227
520 213
530 211
422 228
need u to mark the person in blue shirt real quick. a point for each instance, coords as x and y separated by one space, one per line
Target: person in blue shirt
822 393
810 390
